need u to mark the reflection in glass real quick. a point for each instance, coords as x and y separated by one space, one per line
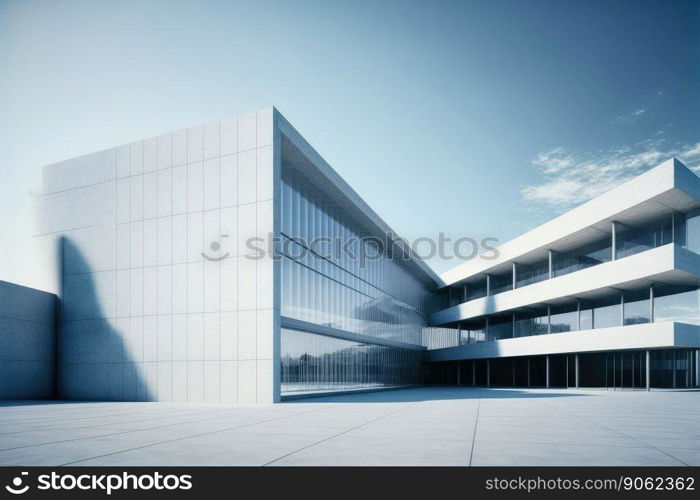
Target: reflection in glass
582 258
476 290
500 328
529 274
311 362
325 280
607 312
676 303
636 307
634 240
531 323
564 318
501 282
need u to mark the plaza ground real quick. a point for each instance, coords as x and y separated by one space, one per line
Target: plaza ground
422 426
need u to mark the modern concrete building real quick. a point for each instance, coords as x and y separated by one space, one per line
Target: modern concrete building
605 295
229 263
191 271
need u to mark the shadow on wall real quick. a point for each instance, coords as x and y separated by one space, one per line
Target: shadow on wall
99 356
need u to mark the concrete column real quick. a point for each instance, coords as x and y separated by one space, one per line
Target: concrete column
674 368
549 318
577 369
547 371
622 309
651 303
515 276
578 315
614 240
648 369
488 284
528 372
464 292
673 227
488 373
551 263
697 368
486 329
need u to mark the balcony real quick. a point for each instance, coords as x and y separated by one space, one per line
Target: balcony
670 263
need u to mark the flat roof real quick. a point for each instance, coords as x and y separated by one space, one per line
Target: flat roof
665 189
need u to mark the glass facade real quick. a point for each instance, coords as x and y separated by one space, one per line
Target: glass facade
626 370
325 279
500 282
670 303
676 303
564 318
476 290
313 362
682 229
527 275
582 258
631 241
531 323
333 273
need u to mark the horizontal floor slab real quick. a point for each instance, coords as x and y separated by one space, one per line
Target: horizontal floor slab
670 264
647 336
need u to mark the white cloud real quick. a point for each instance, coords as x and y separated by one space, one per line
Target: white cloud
570 179
630 118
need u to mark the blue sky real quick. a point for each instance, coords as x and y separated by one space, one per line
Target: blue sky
476 118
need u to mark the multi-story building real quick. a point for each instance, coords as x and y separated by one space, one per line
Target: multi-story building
194 269
605 295
230 263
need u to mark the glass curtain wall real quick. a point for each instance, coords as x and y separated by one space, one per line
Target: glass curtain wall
313 362
527 275
333 274
670 303
631 241
582 258
501 283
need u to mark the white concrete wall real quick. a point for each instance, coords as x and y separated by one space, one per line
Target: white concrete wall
27 342
144 314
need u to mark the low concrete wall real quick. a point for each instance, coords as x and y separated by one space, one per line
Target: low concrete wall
27 342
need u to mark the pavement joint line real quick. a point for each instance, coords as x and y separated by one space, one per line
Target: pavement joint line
187 437
618 431
341 433
125 422
129 431
476 424
60 422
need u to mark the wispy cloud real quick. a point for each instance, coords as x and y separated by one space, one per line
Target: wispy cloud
630 118
571 178
641 111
